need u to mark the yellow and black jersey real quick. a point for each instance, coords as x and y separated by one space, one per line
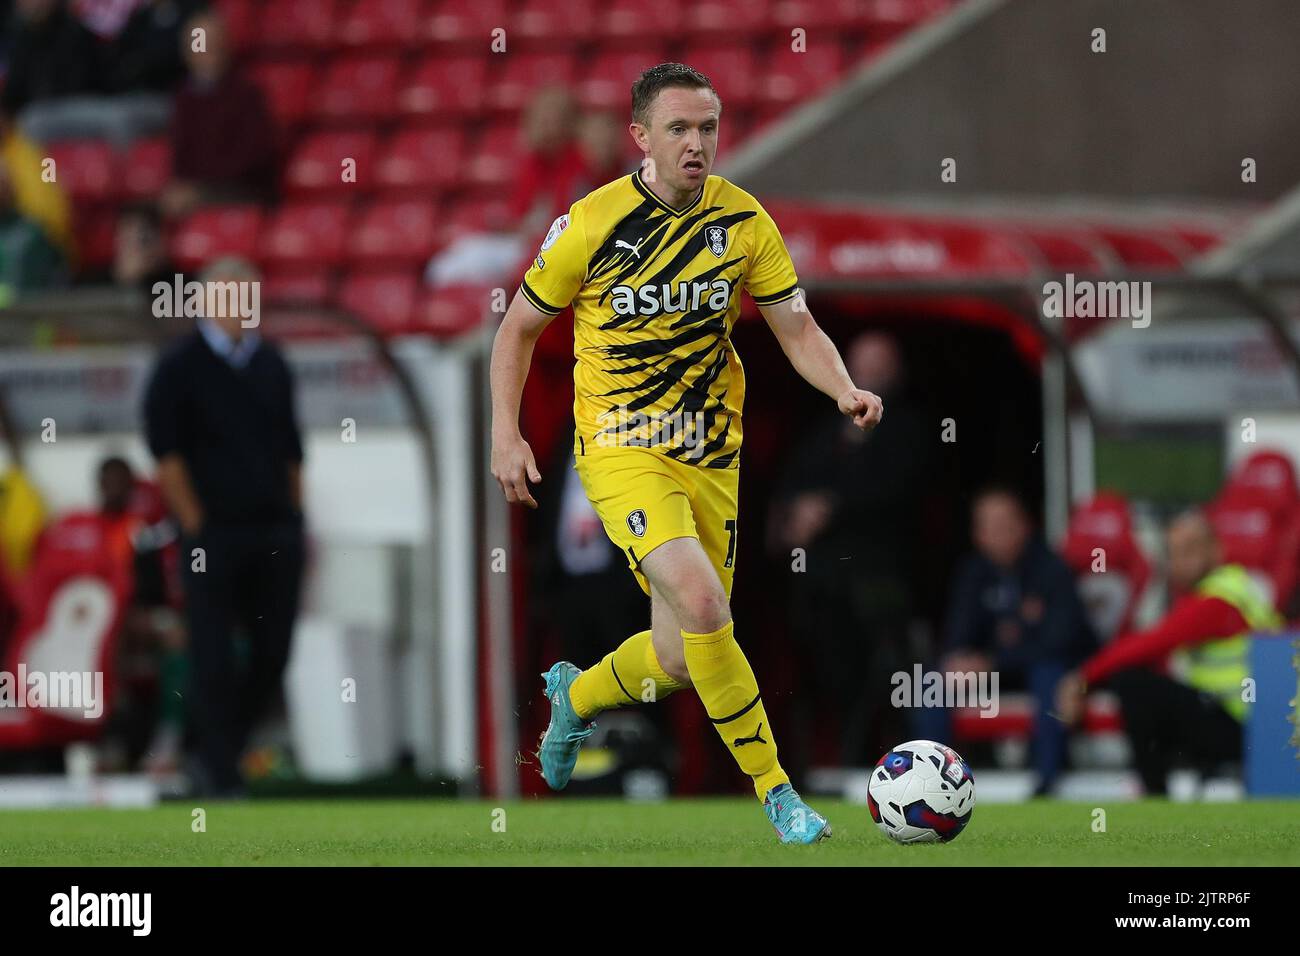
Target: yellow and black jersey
655 293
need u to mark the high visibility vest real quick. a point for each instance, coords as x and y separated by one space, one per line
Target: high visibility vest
1220 667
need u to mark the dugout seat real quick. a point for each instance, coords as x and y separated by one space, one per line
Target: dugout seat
1100 534
70 607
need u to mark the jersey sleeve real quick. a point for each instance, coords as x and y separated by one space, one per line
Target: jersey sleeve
771 277
558 271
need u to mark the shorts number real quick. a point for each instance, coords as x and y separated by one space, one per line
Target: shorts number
730 525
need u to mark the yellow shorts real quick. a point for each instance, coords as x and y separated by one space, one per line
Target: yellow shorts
645 498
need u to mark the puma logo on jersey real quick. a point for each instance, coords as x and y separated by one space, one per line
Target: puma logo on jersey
756 739
635 250
660 299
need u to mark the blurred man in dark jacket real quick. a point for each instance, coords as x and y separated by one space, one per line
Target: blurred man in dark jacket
850 501
1015 611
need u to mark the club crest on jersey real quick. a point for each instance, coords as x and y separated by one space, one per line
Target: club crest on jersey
557 227
636 523
716 238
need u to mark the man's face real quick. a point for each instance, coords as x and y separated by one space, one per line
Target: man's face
681 139
1193 552
1000 529
115 487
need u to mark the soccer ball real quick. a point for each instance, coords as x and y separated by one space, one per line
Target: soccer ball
921 792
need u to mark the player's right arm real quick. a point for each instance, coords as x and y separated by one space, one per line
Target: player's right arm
548 287
513 464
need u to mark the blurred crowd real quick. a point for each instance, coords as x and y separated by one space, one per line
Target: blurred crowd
124 71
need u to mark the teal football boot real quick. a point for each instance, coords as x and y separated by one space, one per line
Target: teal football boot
566 731
793 820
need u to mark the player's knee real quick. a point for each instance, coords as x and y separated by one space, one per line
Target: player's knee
704 610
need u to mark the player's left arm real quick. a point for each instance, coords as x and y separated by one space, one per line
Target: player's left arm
815 357
771 280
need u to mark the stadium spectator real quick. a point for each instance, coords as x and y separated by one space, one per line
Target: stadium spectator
1015 610
51 55
140 251
29 261
547 180
220 419
43 202
148 715
223 136
147 51
1198 718
850 500
601 140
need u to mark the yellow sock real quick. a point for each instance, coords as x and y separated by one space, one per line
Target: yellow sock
629 674
725 682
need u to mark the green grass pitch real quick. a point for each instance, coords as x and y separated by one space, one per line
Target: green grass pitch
603 832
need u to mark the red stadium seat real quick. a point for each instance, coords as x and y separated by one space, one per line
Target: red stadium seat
384 301
70 606
552 23
303 286
444 85
1267 478
812 15
87 170
306 233
217 230
96 232
300 25
395 233
608 82
732 70
495 157
288 88
514 82
1111 571
239 16
788 76
468 25
473 215
1257 519
1015 718
379 23
147 167
316 165
632 21
453 310
731 19
1264 543
421 160
358 90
